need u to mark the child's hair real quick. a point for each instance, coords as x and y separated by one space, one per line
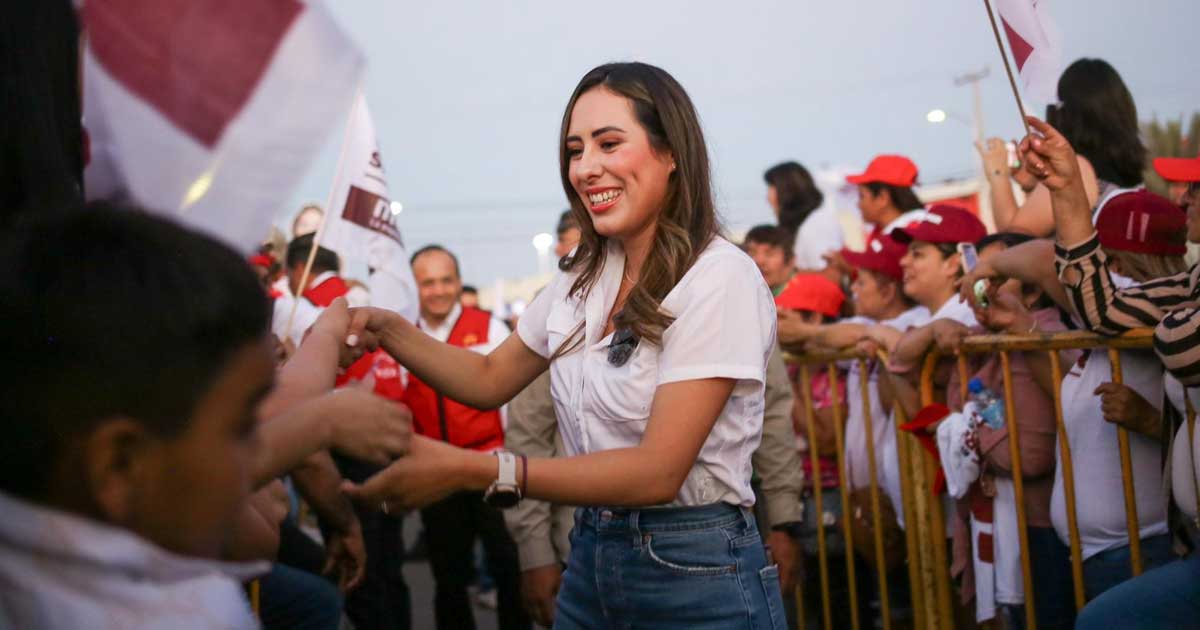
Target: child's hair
885 280
1146 267
111 312
773 235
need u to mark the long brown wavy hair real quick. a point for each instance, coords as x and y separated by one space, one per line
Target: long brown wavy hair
688 220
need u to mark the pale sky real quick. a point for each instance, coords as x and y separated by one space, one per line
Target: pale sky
467 97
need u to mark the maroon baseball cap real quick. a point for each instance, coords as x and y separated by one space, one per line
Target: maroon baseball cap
942 223
882 254
895 170
1142 222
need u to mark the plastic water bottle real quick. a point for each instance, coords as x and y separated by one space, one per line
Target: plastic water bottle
988 405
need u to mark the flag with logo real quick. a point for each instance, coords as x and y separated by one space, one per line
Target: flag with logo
212 112
362 222
1036 46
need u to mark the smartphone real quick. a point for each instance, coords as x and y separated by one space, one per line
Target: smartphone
1014 161
968 257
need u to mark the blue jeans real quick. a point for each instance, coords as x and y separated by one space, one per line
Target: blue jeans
295 599
1050 568
1166 597
693 567
1111 566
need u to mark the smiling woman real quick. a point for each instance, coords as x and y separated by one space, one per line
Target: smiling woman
656 333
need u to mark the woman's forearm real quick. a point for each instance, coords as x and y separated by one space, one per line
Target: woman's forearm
651 473
1072 213
839 335
480 381
1004 202
1032 263
911 347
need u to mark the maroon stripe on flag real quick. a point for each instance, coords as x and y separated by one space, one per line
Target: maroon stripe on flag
196 63
1020 48
368 210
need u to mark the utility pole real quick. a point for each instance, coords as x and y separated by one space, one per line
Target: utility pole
985 197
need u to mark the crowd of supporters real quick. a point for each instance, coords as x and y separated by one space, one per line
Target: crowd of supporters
169 404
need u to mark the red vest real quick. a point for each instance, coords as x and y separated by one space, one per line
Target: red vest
441 418
380 363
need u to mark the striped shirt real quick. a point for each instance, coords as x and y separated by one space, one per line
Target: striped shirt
1170 305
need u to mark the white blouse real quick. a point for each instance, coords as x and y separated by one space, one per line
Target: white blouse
724 328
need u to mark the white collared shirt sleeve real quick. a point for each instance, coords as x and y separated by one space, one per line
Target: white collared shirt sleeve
531 326
724 322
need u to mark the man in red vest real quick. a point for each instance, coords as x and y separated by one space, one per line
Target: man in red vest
382 600
453 524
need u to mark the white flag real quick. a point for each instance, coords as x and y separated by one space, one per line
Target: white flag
212 111
1036 46
361 220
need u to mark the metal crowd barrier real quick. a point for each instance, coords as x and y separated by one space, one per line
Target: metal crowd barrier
925 535
830 362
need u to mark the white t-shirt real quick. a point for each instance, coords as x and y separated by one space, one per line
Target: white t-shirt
957 310
821 232
1099 490
1184 471
724 328
60 570
857 465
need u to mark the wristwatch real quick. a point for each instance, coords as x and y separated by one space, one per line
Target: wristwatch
504 491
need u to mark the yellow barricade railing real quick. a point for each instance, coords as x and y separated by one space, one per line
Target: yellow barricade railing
830 362
925 532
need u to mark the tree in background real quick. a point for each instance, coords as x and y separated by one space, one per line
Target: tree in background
1169 139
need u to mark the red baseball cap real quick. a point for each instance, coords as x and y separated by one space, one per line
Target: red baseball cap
942 223
1142 222
1178 169
896 170
812 292
262 260
882 254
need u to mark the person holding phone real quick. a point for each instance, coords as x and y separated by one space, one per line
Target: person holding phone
657 333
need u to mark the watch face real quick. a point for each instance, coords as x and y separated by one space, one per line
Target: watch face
503 498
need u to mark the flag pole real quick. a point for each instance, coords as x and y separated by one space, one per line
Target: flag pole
312 253
1007 67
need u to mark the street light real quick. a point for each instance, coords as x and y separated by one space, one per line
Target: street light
938 116
542 242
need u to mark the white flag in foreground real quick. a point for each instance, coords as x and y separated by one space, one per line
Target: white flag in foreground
212 111
361 218
1036 46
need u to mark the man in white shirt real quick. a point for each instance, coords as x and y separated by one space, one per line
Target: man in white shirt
453 524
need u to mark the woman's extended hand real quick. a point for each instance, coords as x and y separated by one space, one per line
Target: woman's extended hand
430 471
995 156
367 325
1048 156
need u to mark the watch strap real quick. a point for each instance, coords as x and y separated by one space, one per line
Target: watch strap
508 469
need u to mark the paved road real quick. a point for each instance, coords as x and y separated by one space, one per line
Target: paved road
420 583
